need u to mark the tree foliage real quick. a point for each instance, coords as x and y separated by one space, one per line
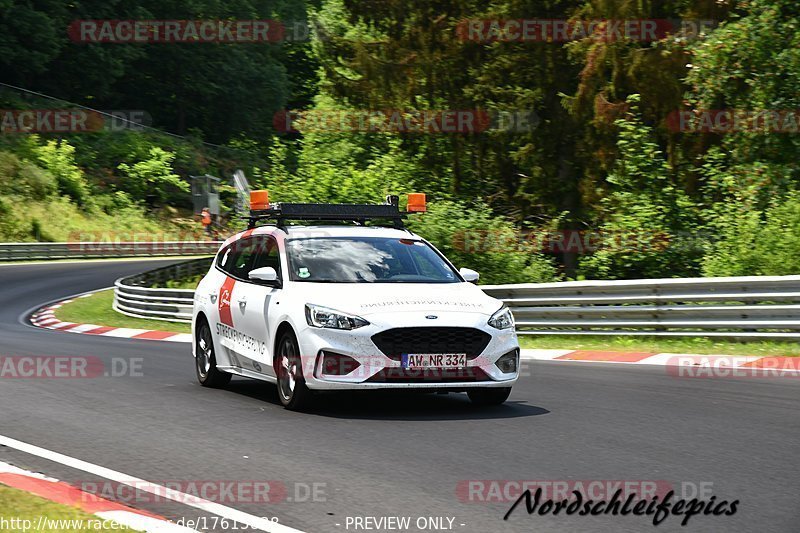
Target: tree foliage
152 177
600 156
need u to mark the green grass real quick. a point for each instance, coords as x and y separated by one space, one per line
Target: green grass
698 345
96 309
24 506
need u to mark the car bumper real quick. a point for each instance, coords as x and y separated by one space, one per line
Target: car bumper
377 370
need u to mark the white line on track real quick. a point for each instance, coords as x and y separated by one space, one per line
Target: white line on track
192 501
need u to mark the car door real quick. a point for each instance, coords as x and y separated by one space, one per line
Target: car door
251 302
234 263
207 297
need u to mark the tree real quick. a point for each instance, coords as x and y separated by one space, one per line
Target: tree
153 177
58 158
646 217
750 176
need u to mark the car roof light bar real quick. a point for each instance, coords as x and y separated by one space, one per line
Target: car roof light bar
358 213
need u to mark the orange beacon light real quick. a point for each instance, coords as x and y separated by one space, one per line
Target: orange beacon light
416 203
259 200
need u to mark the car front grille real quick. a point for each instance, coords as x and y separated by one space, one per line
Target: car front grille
431 340
429 375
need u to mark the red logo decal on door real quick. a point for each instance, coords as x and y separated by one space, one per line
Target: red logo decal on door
224 304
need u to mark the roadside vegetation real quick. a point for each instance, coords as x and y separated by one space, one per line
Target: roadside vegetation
20 505
602 159
45 195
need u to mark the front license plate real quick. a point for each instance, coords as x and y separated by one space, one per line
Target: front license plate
434 360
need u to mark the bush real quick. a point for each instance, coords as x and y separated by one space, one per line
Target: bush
9 166
326 172
37 183
644 216
752 244
153 177
58 157
452 226
23 178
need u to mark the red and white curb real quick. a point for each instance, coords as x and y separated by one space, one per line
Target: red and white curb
65 494
786 364
46 318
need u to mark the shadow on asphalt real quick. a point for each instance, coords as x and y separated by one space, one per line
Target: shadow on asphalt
392 405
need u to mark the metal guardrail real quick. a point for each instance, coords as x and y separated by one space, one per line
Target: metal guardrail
143 295
747 307
83 250
740 307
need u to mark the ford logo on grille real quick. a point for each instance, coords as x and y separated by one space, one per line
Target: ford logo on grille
431 317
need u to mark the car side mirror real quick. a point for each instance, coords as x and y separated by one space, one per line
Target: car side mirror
265 274
469 275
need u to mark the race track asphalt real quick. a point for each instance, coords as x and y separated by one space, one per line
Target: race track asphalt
396 455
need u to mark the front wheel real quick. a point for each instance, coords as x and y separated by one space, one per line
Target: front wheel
489 396
292 389
205 362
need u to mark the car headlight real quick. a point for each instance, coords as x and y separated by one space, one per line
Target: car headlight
502 319
324 317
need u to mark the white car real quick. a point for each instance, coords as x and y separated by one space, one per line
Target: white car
343 307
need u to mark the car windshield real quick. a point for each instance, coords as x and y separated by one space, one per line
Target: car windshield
366 260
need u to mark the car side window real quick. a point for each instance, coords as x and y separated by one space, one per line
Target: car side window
248 254
237 260
267 255
223 260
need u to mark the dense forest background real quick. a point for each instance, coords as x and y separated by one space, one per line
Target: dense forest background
598 184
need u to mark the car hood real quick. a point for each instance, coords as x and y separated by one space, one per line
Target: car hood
365 299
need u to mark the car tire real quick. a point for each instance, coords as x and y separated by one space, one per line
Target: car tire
489 396
205 360
292 390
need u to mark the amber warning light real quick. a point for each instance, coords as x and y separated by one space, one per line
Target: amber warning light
259 200
416 203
